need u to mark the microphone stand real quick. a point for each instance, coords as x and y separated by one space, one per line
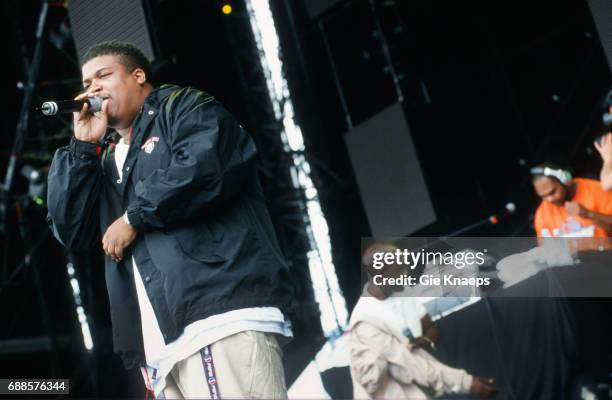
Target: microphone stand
493 219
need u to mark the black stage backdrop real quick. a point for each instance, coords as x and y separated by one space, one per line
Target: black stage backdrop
527 345
535 348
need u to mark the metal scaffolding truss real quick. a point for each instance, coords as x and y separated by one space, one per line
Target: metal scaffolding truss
286 204
286 175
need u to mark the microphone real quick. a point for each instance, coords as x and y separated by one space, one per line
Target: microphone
69 106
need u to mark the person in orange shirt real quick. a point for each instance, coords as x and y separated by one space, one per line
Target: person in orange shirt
570 207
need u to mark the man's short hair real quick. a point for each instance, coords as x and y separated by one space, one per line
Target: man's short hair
368 257
130 56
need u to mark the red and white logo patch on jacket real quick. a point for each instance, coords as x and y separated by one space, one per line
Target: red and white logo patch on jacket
149 145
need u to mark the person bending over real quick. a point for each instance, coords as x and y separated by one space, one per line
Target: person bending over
388 339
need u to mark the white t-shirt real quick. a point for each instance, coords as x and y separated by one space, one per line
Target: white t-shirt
162 357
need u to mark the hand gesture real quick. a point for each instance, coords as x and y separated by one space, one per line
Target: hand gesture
575 209
483 388
604 147
90 127
117 237
420 342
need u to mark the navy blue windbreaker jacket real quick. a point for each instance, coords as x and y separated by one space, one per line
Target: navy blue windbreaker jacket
205 243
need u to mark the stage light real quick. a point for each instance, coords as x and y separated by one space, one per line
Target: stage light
37 178
332 305
80 311
226 9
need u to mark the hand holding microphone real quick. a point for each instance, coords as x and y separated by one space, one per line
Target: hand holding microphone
90 115
90 127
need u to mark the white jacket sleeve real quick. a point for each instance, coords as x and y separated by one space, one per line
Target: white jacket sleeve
368 364
376 354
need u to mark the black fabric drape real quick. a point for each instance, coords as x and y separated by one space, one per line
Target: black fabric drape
536 348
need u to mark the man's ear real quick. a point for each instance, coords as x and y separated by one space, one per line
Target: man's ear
139 75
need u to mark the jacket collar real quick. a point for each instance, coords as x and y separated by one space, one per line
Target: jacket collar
158 94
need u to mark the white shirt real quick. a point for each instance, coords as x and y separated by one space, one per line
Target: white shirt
160 356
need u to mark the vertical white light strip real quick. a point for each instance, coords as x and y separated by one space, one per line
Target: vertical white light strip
327 292
81 316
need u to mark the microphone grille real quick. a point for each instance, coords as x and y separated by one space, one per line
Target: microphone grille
49 108
95 104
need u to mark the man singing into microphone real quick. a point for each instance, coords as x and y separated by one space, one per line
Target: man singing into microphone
197 284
